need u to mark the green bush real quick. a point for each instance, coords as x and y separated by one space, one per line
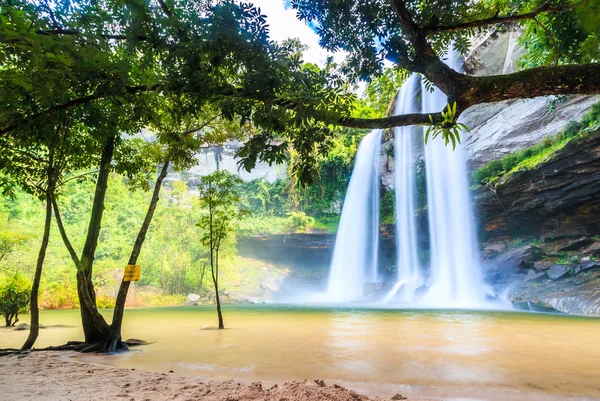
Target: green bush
300 222
14 297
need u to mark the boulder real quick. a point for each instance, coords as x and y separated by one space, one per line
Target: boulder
534 275
22 326
543 264
592 250
191 298
492 248
586 265
521 257
557 272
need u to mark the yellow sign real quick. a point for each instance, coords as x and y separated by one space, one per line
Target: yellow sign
132 273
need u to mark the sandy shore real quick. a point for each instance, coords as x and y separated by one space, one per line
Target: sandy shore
42 376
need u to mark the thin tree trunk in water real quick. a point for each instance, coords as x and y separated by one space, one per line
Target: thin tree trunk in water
216 280
117 322
219 313
34 327
95 328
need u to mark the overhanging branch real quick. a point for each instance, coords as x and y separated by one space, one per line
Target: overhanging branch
496 19
402 120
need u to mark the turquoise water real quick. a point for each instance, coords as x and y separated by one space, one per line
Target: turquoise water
378 351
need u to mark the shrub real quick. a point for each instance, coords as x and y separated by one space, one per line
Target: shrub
14 297
300 222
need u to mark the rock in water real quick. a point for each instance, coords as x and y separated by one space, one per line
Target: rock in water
191 297
22 326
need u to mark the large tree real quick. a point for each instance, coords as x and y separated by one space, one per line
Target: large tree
201 49
561 36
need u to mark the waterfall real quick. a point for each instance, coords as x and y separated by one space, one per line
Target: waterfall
355 257
455 278
409 275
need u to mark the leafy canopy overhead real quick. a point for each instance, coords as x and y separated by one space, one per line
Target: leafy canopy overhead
69 57
111 66
371 32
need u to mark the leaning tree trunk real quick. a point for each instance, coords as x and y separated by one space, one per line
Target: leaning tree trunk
34 327
115 343
95 328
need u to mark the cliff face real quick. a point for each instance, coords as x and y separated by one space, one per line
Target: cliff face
502 128
542 228
560 197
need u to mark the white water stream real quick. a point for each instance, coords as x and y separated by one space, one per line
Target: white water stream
355 258
453 279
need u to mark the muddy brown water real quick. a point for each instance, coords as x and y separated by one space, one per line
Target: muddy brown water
453 355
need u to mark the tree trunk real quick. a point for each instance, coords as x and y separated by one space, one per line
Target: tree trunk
33 301
34 327
116 342
95 328
219 313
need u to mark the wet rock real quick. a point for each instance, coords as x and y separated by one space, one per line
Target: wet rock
375 290
558 271
586 265
544 264
493 248
568 245
536 306
534 275
503 267
592 250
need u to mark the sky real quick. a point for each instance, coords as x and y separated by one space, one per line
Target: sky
283 24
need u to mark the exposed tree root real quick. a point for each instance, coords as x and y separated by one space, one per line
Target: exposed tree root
110 346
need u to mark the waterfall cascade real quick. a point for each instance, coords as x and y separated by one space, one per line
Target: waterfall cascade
355 258
405 138
454 278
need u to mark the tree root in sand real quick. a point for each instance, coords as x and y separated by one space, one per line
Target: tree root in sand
109 346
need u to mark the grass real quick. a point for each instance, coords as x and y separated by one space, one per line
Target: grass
327 224
530 158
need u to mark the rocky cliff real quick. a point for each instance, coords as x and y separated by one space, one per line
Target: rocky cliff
542 227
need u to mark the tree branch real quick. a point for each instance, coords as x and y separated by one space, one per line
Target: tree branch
581 79
130 90
63 234
426 60
496 19
389 122
73 32
165 9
